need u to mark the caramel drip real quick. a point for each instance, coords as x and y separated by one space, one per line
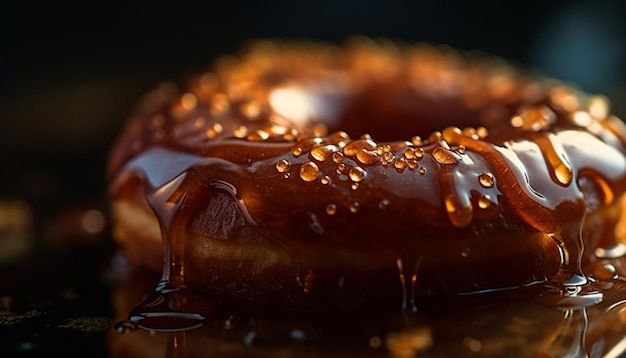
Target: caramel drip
519 197
556 158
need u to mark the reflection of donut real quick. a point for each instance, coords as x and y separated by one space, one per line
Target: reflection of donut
310 176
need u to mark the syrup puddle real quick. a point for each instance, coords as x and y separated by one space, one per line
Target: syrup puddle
542 324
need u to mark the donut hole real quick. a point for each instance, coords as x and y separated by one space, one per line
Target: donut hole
387 113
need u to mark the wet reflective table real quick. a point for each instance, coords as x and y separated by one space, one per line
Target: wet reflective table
64 288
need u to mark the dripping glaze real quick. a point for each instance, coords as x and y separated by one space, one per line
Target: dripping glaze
279 179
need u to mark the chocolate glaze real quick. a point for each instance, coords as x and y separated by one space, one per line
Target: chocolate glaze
376 173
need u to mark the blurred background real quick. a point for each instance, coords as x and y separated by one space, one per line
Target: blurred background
71 72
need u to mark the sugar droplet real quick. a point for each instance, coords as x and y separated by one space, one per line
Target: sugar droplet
282 166
331 209
210 133
323 152
338 157
400 164
296 152
240 132
389 157
357 174
366 156
444 156
486 180
384 204
417 141
352 148
309 172
258 136
484 201
354 207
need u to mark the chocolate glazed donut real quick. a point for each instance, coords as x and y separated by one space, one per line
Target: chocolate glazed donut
313 177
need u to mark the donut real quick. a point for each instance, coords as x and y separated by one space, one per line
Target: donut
311 176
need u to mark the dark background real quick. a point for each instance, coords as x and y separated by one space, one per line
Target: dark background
70 72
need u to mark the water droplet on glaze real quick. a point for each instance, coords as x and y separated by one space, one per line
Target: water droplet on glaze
400 164
384 204
331 209
484 201
341 168
282 166
240 132
434 137
354 207
482 132
366 156
356 174
444 156
322 153
296 152
338 138
470 132
309 172
352 148
422 170
412 164
354 186
210 133
486 180
337 157
417 141
388 157
410 153
258 136
534 118
325 180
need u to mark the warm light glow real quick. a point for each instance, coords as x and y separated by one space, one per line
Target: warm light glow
293 103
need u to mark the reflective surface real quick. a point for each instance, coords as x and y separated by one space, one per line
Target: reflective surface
490 326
